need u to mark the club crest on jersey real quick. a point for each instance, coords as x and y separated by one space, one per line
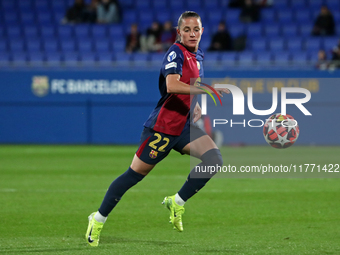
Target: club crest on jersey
153 154
172 55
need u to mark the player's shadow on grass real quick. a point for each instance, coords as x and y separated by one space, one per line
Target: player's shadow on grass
112 240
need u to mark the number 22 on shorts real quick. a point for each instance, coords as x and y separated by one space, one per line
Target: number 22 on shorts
159 138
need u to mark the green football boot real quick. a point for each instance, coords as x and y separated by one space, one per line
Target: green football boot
176 212
93 231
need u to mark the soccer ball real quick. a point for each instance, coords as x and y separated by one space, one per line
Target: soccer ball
281 131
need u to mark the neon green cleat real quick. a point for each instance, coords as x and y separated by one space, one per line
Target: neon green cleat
93 231
176 212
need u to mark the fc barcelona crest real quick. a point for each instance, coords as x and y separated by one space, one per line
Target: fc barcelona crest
153 154
40 85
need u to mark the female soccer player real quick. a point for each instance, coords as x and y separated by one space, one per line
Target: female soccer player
167 128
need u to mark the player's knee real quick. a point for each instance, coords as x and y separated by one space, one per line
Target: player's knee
212 157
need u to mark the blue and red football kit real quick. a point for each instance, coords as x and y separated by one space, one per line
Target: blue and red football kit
168 126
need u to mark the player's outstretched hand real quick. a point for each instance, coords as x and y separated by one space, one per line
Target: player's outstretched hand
220 91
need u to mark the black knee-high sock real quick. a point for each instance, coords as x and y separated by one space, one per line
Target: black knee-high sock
212 157
117 189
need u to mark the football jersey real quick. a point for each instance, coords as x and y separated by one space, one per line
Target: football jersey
172 113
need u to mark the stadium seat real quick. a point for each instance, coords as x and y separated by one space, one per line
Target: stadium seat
193 5
142 4
330 42
30 31
127 4
68 45
212 58
118 46
264 58
98 31
35 58
259 44
313 55
299 57
214 16
88 59
333 4
10 17
210 4
294 44
298 4
19 58
44 18
146 17
105 58
204 45
156 59
33 45
85 46
50 46
314 5
81 30
3 46
336 15
129 16
55 5
177 5
271 30
27 18
306 29
70 59
116 31
159 5
102 46
123 59
289 30
4 58
228 58
13 31
254 30
47 31
231 16
65 31
162 16
140 59
246 58
23 5
16 46
236 30
268 15
2 31
41 4
284 15
282 58
277 44
312 44
302 16
281 4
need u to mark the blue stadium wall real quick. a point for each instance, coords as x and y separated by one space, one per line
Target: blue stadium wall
66 106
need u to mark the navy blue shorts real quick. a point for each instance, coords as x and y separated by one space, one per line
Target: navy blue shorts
155 146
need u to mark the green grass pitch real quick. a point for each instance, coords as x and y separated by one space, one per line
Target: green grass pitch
47 192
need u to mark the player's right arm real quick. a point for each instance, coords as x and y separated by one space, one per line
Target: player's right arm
175 86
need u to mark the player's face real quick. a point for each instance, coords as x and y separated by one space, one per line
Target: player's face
190 33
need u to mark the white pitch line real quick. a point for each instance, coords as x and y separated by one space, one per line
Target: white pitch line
8 190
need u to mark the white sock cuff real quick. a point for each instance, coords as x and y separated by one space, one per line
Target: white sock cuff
179 200
100 218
